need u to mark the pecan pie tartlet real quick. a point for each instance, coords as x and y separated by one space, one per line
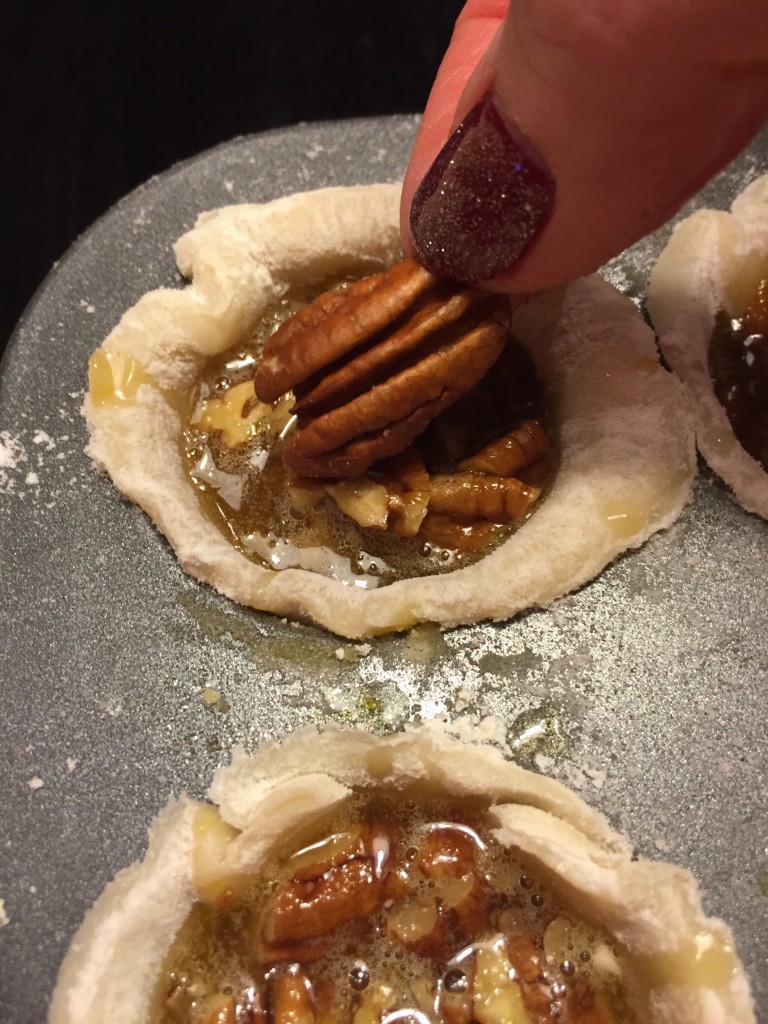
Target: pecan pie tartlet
328 432
708 298
341 877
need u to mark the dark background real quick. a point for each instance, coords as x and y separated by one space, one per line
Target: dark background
99 96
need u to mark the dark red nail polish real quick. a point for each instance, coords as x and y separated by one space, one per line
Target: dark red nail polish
483 200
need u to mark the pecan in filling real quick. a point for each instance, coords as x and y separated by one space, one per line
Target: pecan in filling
390 428
397 913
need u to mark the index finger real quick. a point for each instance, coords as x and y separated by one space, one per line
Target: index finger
475 29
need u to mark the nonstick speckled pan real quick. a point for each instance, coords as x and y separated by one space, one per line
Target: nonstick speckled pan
645 690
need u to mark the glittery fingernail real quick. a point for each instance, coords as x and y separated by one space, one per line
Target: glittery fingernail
483 201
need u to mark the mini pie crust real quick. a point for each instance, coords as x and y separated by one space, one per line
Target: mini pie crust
689 285
652 909
627 452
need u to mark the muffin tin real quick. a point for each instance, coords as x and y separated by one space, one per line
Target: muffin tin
124 681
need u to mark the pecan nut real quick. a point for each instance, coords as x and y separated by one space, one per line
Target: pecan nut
309 909
474 496
372 366
504 456
291 998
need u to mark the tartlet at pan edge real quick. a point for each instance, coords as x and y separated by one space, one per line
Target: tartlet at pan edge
689 285
627 453
652 909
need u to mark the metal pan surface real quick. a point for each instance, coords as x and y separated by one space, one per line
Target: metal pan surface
645 690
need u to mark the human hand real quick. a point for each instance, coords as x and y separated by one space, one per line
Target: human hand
585 126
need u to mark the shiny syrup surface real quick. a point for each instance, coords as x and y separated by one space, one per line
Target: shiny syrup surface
396 912
738 365
267 527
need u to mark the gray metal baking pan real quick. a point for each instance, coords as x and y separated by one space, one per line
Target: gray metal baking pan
646 691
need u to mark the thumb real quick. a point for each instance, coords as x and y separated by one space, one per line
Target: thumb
557 133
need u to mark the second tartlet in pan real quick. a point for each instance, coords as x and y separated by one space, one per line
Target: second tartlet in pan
708 300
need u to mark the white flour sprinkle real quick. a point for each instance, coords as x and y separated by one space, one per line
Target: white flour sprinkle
41 437
12 454
35 782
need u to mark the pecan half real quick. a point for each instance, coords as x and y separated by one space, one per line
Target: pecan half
291 999
309 909
372 366
346 882
523 446
455 535
338 321
473 496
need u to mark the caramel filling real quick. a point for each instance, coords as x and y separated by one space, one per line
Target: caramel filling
460 489
395 913
738 365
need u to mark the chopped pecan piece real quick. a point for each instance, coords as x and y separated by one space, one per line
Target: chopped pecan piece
394 350
522 447
589 1006
296 952
447 851
291 999
221 1010
308 909
454 535
537 473
330 892
448 855
473 496
408 491
362 500
528 964
179 999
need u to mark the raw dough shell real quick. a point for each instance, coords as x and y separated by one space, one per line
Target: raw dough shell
627 453
652 909
689 285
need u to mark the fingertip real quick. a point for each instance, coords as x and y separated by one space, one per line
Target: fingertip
629 123
475 30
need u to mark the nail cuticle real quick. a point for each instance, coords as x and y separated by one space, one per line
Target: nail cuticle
483 201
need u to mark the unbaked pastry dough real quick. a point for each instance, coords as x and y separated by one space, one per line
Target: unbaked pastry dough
694 279
652 909
627 456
